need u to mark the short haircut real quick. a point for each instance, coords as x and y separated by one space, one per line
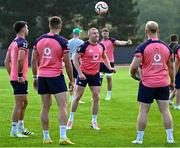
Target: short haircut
19 25
173 37
104 30
152 27
55 22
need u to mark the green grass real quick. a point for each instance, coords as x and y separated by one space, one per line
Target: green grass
117 118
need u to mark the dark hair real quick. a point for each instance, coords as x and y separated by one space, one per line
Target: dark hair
19 25
55 22
105 30
174 37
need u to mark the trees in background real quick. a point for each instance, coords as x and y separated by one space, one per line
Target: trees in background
166 13
121 17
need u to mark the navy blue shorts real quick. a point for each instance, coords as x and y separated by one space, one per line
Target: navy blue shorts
52 85
147 94
92 80
104 69
19 88
75 73
177 81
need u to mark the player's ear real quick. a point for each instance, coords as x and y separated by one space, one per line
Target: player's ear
158 31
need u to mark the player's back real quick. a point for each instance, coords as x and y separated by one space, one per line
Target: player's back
14 51
51 48
155 55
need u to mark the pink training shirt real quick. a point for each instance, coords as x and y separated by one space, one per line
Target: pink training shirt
51 48
90 57
13 49
109 45
155 55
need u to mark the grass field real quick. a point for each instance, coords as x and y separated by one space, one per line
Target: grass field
117 118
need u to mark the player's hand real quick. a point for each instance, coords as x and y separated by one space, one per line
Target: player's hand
112 69
71 86
136 77
82 76
21 80
172 86
35 84
129 42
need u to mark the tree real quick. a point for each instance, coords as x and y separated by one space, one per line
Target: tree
121 17
166 13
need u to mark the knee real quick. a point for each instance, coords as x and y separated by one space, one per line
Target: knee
46 106
96 96
25 104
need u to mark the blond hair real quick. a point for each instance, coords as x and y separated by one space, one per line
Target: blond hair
152 27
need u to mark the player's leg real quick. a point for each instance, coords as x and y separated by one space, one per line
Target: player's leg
141 122
109 85
61 99
71 97
20 93
95 90
171 97
167 119
101 71
15 117
177 84
162 96
46 104
145 98
21 127
95 86
74 105
177 105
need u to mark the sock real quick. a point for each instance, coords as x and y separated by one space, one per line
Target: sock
14 127
21 124
94 118
108 94
169 133
140 135
62 131
71 117
46 134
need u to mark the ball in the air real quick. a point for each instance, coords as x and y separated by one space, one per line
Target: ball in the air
101 7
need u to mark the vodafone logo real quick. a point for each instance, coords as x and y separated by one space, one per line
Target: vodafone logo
95 57
157 57
47 51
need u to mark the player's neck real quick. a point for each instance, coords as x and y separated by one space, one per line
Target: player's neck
76 36
21 35
54 31
153 36
92 42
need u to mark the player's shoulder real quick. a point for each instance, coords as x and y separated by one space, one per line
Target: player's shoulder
85 44
39 38
21 42
112 39
61 38
82 47
144 44
101 44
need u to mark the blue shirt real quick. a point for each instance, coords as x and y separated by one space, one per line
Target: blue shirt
73 44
